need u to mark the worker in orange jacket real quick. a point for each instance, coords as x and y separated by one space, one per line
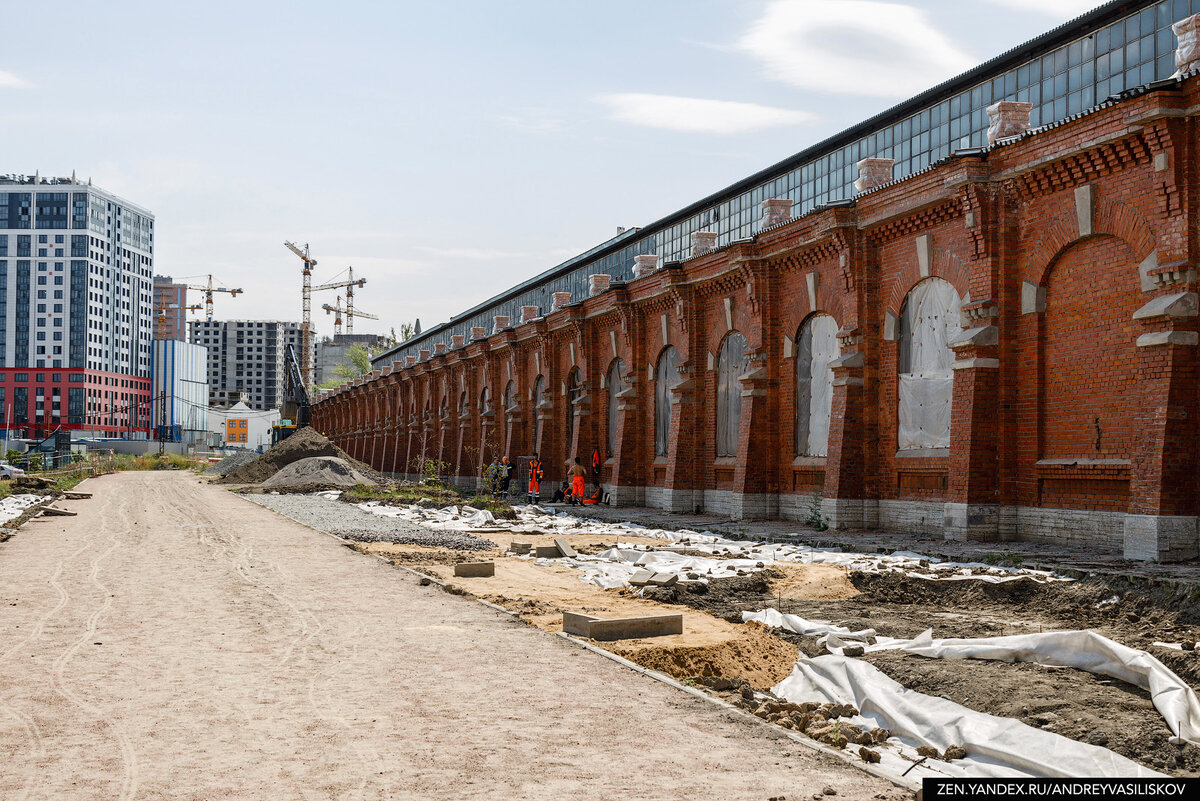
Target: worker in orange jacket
536 473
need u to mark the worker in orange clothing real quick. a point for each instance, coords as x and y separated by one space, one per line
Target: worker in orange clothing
536 474
578 481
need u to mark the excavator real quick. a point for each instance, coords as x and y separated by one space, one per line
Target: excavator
294 412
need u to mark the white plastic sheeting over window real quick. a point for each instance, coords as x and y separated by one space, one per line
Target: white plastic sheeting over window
539 387
929 319
616 385
572 394
666 377
816 347
731 366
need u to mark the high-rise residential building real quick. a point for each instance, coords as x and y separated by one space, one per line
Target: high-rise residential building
246 359
170 316
76 321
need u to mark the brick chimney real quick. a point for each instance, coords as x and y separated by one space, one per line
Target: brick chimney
478 332
597 283
644 264
1187 51
423 355
1007 118
703 242
439 349
500 322
409 361
776 210
457 340
872 173
561 299
529 313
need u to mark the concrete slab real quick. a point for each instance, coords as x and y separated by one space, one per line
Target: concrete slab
520 547
626 628
641 578
50 510
565 548
664 579
475 569
547 552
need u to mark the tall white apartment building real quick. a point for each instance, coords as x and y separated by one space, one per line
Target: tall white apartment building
246 359
76 318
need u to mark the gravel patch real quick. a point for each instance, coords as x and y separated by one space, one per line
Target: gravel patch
349 522
231 462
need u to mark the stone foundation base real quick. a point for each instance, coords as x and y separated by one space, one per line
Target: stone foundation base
1161 538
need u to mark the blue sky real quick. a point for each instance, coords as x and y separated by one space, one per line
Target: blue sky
448 150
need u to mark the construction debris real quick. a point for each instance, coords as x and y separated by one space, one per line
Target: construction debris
475 569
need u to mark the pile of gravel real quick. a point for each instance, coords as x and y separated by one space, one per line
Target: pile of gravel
304 444
230 463
349 522
323 470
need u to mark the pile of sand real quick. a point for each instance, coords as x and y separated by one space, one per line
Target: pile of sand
231 462
318 470
757 656
304 444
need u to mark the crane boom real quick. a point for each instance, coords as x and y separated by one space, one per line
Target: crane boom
306 313
208 290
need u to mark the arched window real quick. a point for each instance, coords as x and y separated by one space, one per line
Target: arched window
509 395
816 347
572 394
928 321
731 366
539 387
485 401
616 385
666 376
464 409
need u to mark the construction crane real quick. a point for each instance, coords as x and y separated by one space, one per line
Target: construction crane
349 284
160 322
350 315
208 291
306 317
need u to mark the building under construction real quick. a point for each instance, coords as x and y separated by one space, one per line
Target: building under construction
245 359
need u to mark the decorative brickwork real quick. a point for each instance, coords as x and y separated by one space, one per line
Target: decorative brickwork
1070 383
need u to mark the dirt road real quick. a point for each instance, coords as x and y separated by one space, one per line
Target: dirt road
176 641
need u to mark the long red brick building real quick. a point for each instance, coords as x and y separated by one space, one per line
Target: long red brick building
1000 343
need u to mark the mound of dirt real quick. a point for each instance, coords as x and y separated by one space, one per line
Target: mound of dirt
757 656
324 470
304 444
230 463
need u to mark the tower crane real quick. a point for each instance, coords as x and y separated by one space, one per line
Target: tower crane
306 319
349 284
350 315
160 321
208 291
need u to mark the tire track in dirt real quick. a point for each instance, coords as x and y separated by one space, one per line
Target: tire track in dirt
129 772
251 565
32 733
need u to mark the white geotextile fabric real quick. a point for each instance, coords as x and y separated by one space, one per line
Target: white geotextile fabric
807 628
927 388
12 506
713 556
996 747
1084 650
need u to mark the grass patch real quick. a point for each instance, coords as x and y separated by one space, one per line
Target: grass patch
501 510
437 494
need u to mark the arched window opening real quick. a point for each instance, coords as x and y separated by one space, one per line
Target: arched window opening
616 385
572 394
509 395
731 366
539 387
816 347
666 377
928 320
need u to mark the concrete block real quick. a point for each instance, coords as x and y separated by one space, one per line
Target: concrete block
547 552
475 569
1085 209
632 628
520 547
50 510
641 578
664 579
564 547
575 623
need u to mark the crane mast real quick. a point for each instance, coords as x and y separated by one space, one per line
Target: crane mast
306 314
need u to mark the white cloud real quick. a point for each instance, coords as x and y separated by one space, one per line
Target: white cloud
859 47
10 81
698 115
1059 9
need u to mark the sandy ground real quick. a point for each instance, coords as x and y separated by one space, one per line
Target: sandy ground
176 641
